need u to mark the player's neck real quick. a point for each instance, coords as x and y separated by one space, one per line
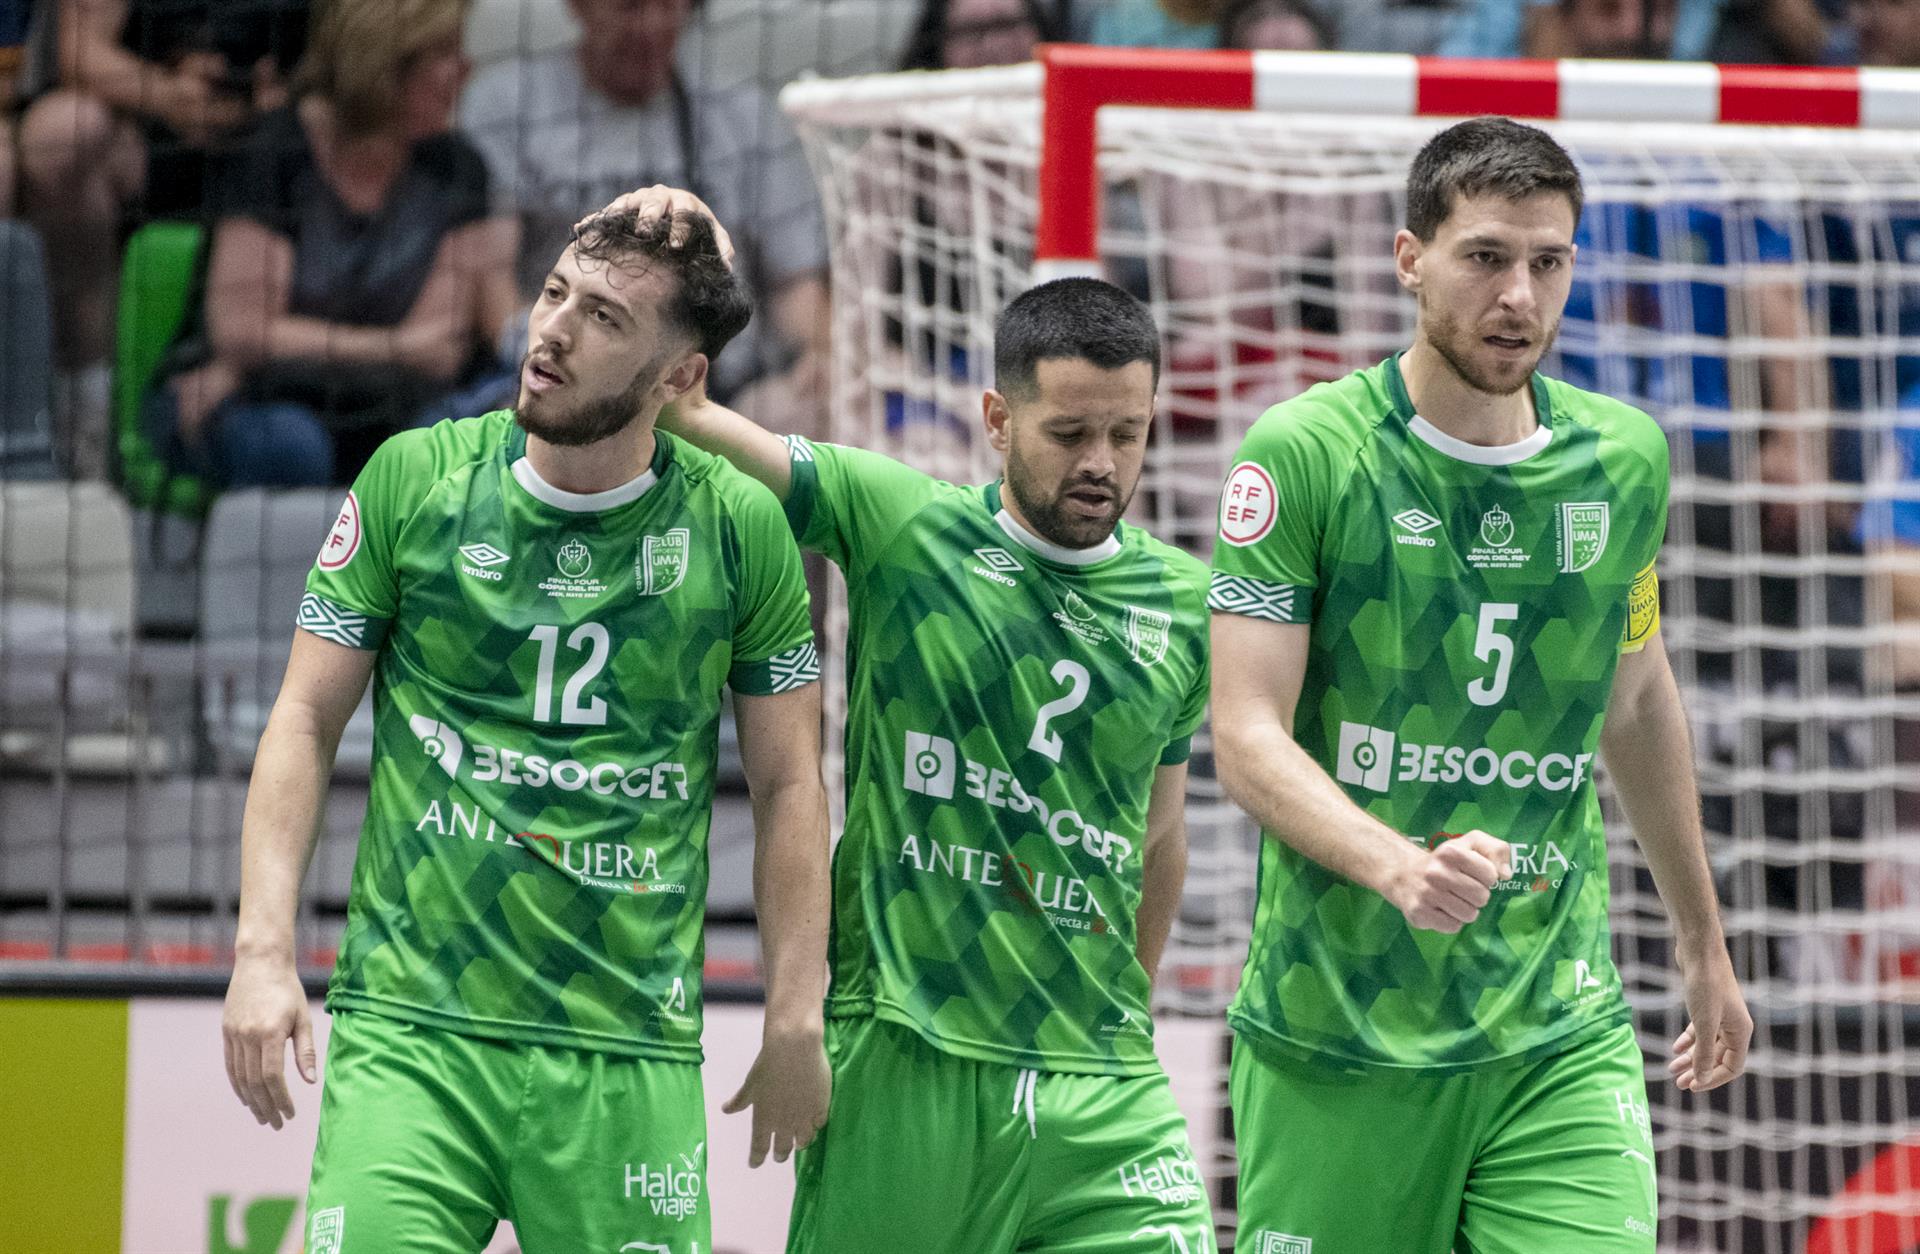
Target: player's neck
1458 408
585 469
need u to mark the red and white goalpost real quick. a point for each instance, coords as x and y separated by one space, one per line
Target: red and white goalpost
1251 199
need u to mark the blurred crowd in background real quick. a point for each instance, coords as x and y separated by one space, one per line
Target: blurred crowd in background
242 241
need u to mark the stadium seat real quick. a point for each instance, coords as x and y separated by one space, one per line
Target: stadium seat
156 281
258 548
67 664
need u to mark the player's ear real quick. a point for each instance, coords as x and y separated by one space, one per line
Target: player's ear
1406 259
998 416
687 373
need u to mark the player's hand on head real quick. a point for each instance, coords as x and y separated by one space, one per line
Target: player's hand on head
266 1007
1713 1049
1444 889
789 1088
658 199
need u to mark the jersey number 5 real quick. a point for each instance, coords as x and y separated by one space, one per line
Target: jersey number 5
1493 645
590 638
1078 682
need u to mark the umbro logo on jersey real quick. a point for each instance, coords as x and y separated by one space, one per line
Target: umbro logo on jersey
997 565
483 557
1414 524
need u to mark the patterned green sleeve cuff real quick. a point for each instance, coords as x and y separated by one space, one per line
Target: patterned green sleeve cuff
804 483
1256 598
330 620
1177 751
783 672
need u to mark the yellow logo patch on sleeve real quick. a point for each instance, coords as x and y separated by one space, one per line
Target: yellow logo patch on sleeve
1643 610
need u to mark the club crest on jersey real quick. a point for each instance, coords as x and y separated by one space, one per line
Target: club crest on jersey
326 1230
1583 534
662 562
1147 632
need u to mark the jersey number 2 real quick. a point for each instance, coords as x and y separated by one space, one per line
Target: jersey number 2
1078 682
1493 645
590 637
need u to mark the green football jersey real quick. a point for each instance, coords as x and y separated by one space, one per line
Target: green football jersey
1009 703
1468 608
546 712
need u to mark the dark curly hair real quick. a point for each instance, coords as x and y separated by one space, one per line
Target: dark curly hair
1481 157
709 301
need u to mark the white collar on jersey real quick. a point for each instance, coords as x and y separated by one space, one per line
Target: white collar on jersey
581 502
1053 552
1481 454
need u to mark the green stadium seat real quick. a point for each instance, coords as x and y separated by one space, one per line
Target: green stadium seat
156 280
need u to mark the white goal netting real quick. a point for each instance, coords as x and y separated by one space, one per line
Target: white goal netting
1758 291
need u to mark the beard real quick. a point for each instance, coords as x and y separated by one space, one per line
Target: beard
1456 348
1047 513
588 421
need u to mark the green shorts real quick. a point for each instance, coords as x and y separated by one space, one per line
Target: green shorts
937 1154
1554 1154
429 1138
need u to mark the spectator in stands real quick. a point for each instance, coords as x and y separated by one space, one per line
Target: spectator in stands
965 34
26 428
13 37
1157 24
1644 29
1275 26
146 89
354 277
566 130
1885 32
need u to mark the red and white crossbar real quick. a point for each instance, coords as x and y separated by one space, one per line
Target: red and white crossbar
1081 80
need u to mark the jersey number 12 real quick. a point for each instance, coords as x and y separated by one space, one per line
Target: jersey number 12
590 638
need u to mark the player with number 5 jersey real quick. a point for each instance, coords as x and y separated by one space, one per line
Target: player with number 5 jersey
550 602
1026 672
1436 594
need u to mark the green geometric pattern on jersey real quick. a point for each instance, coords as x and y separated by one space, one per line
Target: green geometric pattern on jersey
546 708
1394 551
1006 714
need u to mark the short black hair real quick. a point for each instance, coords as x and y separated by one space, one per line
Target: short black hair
710 302
1087 319
1486 156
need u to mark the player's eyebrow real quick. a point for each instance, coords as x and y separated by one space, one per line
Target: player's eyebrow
1494 241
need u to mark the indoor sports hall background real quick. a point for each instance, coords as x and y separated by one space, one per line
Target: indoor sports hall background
1749 272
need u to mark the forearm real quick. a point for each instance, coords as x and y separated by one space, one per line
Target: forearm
790 893
750 447
92 60
1272 778
281 824
1650 756
1163 876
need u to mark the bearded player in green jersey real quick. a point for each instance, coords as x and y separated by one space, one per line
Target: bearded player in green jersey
549 601
1026 672
1435 596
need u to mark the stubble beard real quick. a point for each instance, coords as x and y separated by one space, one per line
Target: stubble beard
1456 348
590 421
1049 519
